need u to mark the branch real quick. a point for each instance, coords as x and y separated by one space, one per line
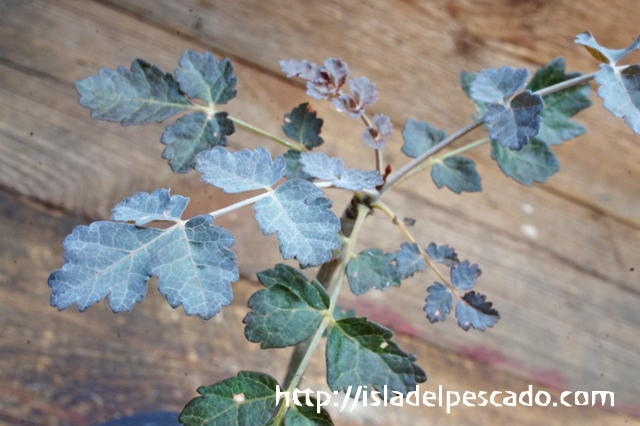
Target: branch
382 206
407 168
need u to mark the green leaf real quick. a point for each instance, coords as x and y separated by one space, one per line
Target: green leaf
464 276
512 126
294 166
620 90
534 162
474 311
556 127
203 76
302 125
240 171
439 302
191 135
191 258
458 174
305 415
141 95
306 227
443 254
195 268
288 311
497 85
420 136
409 260
319 165
372 268
361 353
245 400
143 208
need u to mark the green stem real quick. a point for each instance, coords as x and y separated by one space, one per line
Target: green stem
291 145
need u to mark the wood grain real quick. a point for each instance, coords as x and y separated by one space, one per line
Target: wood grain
72 368
568 298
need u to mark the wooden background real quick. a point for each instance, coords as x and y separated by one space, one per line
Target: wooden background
569 297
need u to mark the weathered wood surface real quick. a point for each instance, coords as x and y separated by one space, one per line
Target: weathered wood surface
72 368
568 298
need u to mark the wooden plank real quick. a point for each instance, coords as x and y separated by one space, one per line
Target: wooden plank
60 368
55 43
414 52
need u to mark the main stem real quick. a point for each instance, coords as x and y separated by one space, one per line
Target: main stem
292 381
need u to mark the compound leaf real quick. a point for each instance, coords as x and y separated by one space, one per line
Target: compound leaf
141 95
458 174
245 400
497 85
361 353
195 267
474 311
464 275
420 136
294 166
143 208
104 258
288 311
534 162
191 135
304 415
241 171
319 165
607 56
443 254
620 90
302 125
192 259
513 126
372 268
307 228
439 302
556 127
203 76
409 260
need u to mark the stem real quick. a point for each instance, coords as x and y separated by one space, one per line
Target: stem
363 211
379 159
378 204
398 176
257 198
324 276
291 145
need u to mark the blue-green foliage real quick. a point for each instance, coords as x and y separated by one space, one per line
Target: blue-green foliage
192 259
319 165
472 309
248 399
361 353
372 268
409 260
240 171
306 227
145 94
288 311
